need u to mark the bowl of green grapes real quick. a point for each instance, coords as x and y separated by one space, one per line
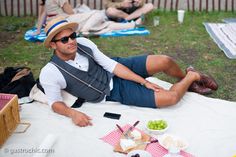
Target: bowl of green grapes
158 126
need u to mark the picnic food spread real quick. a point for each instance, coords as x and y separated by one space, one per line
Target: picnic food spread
131 140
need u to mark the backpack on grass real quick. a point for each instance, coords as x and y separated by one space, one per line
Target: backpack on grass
17 80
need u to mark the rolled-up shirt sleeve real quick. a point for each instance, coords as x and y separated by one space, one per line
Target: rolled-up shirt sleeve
52 82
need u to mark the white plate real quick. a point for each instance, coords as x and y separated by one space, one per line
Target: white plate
168 140
142 153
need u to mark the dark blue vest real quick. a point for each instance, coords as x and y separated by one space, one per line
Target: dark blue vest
92 85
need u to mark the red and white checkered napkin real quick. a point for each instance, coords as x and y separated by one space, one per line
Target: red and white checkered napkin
155 149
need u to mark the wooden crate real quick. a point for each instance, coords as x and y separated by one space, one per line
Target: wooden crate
9 116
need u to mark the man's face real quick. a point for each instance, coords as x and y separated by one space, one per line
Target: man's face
66 50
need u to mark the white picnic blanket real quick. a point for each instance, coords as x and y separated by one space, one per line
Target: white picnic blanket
207 124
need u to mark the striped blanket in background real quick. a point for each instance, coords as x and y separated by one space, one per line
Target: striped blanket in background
224 35
118 33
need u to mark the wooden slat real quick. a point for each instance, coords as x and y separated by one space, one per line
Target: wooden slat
88 3
37 7
0 9
213 5
153 1
207 6
226 5
193 5
165 4
176 4
24 7
101 3
159 4
31 7
232 3
219 3
95 4
5 6
188 4
171 5
18 8
200 5
11 7
75 3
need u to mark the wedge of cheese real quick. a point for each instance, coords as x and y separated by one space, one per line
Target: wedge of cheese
127 144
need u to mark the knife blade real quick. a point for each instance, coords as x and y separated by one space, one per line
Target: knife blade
126 133
148 142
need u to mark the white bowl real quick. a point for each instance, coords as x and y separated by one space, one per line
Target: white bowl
167 141
157 132
142 153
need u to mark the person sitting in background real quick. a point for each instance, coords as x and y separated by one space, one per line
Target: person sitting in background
80 68
93 21
119 10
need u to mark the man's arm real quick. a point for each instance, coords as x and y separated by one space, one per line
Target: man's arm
115 67
77 117
125 73
52 87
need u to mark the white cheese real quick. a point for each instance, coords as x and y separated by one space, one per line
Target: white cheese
136 135
127 144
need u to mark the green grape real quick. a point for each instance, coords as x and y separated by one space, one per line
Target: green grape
157 124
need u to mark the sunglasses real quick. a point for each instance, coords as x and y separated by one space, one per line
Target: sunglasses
65 40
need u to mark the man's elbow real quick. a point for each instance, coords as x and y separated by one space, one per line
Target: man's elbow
54 107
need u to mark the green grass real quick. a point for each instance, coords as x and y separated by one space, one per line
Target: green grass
187 43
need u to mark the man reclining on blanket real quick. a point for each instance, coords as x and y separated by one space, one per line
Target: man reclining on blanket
80 68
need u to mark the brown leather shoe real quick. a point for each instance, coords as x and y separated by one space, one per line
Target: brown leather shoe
195 87
205 81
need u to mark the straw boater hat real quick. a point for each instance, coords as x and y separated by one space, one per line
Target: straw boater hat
55 26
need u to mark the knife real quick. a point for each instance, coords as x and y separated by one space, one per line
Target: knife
148 142
130 129
122 131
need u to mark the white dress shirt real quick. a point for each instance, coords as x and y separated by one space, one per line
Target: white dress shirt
53 81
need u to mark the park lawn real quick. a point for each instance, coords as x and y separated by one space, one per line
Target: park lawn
187 43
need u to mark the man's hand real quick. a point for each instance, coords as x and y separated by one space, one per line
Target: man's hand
126 4
153 86
77 117
80 118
